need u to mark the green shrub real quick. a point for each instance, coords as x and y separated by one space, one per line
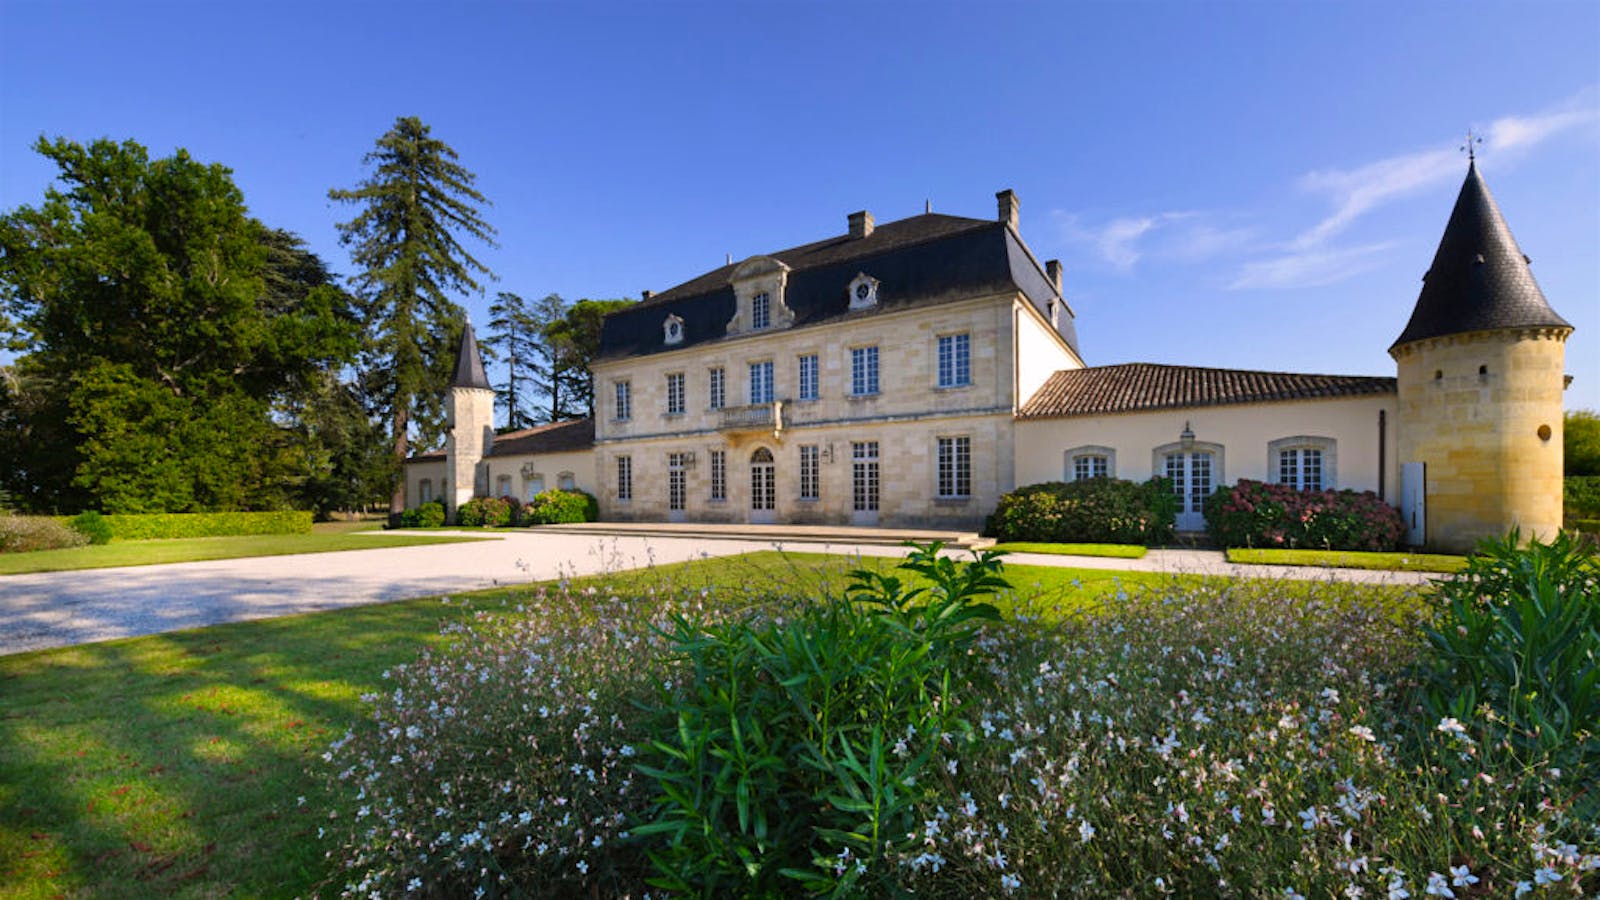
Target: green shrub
23 534
1096 510
793 744
485 512
1257 514
1516 653
427 515
91 525
153 526
555 507
1581 496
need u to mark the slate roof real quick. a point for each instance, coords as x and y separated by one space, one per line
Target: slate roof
556 437
921 260
469 364
1479 280
1140 387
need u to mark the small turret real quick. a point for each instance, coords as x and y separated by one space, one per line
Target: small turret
469 415
1480 383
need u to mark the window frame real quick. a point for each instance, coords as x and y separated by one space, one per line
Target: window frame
717 387
1070 457
622 402
864 370
1329 463
953 467
751 394
761 311
719 475
675 393
624 478
955 366
810 472
810 383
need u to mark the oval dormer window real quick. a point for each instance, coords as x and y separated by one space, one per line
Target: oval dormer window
672 329
863 291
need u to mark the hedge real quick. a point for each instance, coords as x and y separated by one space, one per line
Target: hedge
154 526
25 534
489 512
1257 514
426 515
1581 496
1092 511
555 507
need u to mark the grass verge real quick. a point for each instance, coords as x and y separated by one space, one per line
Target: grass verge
173 765
1350 559
1113 551
149 553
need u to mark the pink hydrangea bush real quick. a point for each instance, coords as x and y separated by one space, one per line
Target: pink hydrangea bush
1258 514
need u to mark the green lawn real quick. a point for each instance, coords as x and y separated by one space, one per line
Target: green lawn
1351 559
173 765
1114 551
149 553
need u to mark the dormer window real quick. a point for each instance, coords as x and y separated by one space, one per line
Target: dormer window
672 330
863 292
761 311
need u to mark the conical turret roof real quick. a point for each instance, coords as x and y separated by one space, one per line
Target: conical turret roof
1479 281
469 365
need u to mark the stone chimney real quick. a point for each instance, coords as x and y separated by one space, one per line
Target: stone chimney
646 295
860 224
1009 205
1052 271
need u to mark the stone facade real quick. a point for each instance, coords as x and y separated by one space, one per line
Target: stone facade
1482 411
469 415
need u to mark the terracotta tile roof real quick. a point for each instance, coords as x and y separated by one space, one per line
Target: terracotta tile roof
1136 387
556 437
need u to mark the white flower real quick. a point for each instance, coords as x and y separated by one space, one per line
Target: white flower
1546 876
414 884
1397 889
1085 831
1010 882
1523 888
1292 894
1363 732
1450 725
1460 876
1438 886
1308 818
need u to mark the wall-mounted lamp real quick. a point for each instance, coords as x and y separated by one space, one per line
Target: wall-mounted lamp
1186 438
827 454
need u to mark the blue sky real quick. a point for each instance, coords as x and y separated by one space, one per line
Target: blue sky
1250 185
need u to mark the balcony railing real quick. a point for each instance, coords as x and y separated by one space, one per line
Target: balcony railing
755 417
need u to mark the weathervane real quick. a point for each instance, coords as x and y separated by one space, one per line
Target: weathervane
1470 145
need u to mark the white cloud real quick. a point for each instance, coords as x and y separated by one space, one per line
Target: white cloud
1309 268
1124 241
1116 241
1510 133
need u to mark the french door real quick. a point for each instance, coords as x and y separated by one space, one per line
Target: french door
1190 474
864 482
763 487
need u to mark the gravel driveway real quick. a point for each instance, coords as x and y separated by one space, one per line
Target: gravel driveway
59 609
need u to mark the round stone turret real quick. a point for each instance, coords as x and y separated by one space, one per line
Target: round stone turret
1480 372
469 416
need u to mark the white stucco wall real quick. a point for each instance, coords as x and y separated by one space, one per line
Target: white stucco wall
1040 351
434 472
1243 432
550 466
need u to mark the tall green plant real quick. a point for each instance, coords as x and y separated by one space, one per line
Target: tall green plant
1516 652
798 747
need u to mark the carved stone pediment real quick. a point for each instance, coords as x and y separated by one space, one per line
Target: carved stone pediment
759 276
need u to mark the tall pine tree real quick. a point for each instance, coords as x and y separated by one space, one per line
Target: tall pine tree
413 206
513 339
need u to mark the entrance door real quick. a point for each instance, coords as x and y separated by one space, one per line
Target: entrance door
1414 502
864 482
1191 481
677 487
763 488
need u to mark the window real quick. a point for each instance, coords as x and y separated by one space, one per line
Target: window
719 474
810 472
675 394
534 487
425 491
719 390
1090 465
761 311
955 467
761 382
677 481
624 407
624 478
567 481
864 371
808 377
955 360
1303 462
502 486
763 481
864 475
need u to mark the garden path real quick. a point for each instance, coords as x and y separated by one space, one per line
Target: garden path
59 609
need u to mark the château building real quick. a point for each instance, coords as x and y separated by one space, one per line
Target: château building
909 373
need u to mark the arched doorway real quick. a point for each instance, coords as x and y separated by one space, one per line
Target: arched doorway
763 487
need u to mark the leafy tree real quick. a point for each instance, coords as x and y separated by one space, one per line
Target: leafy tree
575 340
1581 442
413 205
160 325
341 453
514 338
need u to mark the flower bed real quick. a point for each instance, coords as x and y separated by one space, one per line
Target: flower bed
1258 514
